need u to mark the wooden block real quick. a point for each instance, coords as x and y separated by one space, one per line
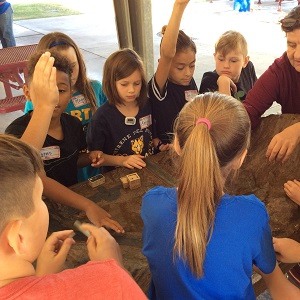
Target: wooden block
77 225
124 181
134 181
96 180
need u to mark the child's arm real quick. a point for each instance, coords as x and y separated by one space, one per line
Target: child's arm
54 253
128 161
44 79
168 44
287 250
278 285
101 245
61 194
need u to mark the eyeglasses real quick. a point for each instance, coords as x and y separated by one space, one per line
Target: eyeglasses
289 22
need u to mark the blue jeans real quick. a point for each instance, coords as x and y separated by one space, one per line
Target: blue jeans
6 29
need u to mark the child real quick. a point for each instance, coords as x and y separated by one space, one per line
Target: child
63 134
200 242
87 94
122 127
234 74
23 229
173 84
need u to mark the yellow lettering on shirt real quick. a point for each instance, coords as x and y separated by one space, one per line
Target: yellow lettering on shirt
86 112
77 114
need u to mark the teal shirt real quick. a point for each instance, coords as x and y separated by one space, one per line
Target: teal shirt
79 108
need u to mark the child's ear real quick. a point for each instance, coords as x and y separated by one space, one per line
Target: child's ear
176 145
247 58
239 160
26 91
14 238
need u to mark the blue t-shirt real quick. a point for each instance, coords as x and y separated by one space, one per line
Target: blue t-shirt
79 107
241 237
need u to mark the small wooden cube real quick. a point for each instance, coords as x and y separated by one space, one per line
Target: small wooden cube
125 183
134 181
96 180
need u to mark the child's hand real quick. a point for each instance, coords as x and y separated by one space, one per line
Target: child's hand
96 158
134 161
101 245
292 189
165 147
287 250
283 144
226 85
54 253
100 217
43 88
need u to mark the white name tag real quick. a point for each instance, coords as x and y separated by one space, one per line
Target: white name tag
48 153
145 121
79 100
190 95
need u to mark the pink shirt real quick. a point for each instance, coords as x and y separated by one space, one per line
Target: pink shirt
94 280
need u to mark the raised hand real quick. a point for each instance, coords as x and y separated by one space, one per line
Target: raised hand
43 88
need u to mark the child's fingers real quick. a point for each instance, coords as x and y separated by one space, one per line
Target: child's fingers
52 76
287 190
45 64
55 237
42 62
65 248
91 245
114 225
297 182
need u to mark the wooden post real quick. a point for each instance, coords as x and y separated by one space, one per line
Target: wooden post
134 27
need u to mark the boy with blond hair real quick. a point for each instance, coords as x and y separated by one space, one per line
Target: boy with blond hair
234 74
23 228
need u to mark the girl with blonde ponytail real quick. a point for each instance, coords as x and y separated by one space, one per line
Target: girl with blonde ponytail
201 243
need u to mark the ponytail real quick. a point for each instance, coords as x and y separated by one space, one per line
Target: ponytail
204 154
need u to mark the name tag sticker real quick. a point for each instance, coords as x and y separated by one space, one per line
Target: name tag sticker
48 153
79 100
190 95
145 121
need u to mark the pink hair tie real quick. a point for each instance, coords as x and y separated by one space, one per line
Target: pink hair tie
204 120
